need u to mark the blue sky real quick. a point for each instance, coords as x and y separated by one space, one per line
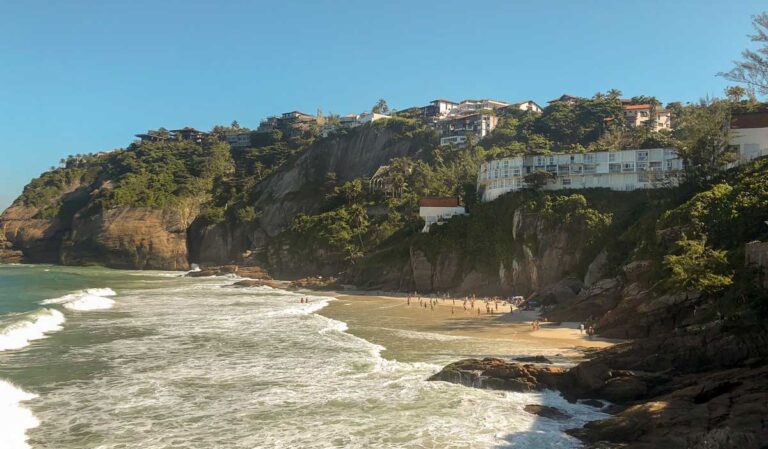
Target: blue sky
84 76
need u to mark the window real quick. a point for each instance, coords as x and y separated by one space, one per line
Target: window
642 166
566 181
614 168
589 158
576 169
551 168
590 168
611 157
642 155
655 165
643 177
628 166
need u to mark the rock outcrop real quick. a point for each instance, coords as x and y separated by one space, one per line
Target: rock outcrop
134 238
696 389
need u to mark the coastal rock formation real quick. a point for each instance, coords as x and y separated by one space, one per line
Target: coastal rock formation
546 412
698 389
136 238
498 374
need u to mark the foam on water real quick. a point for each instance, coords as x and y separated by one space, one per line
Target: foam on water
88 299
28 327
15 420
244 368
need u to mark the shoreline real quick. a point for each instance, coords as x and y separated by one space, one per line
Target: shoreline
447 317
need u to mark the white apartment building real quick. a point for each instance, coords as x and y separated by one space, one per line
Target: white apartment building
749 134
616 170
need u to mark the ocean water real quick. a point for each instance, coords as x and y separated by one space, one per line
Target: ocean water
97 358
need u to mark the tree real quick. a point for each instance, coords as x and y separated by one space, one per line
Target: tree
752 70
703 140
380 107
538 179
698 267
735 93
234 125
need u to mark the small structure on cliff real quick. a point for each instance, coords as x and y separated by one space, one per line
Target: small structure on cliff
436 210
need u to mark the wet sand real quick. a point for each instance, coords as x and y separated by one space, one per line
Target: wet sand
501 333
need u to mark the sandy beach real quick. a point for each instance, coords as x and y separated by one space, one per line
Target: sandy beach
500 333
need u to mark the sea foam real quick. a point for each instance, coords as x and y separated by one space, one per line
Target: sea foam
30 326
15 420
89 299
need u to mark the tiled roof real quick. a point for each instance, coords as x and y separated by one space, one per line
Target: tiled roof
748 120
634 107
439 202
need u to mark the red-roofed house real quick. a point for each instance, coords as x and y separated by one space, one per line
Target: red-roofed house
435 210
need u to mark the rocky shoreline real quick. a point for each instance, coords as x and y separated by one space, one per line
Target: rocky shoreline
660 397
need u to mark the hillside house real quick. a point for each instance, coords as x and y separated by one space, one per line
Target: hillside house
616 170
239 140
188 133
749 134
153 136
439 108
639 114
291 124
352 121
384 180
527 105
436 210
455 130
565 98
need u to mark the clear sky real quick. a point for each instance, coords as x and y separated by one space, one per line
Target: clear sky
83 76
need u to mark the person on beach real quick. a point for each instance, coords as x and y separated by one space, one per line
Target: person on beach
451 310
581 328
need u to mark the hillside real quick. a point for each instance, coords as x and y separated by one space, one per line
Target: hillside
668 267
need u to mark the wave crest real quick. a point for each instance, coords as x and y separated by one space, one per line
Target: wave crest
30 326
88 299
15 420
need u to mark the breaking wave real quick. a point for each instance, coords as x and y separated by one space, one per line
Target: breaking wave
15 420
89 299
29 326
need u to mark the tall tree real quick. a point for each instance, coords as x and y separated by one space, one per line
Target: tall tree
702 133
380 107
752 70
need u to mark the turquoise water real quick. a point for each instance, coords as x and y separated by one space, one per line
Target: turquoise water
97 358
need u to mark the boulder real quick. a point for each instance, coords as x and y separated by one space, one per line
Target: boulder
547 412
500 374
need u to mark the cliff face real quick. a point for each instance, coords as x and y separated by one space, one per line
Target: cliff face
539 253
296 188
133 238
65 229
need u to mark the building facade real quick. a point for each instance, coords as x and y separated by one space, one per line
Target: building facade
454 131
749 134
616 170
435 211
639 114
239 140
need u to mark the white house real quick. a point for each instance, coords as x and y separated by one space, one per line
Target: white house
749 133
638 114
616 170
528 105
437 210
